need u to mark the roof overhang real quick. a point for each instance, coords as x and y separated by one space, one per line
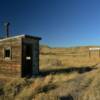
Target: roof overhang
21 36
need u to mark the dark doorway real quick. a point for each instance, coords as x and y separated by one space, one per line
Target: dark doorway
27 60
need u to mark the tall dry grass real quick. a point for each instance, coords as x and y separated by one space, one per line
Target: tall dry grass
72 85
62 79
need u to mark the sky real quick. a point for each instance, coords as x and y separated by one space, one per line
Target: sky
60 23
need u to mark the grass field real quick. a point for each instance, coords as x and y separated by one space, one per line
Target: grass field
66 74
68 57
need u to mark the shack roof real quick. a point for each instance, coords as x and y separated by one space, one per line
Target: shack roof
20 36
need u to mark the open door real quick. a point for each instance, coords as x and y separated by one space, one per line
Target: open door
27 60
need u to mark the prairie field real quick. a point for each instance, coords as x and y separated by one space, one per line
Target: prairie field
65 74
68 57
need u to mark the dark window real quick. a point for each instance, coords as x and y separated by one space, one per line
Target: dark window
7 53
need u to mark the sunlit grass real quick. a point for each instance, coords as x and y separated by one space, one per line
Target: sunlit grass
61 79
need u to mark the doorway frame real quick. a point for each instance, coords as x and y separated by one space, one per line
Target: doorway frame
24 74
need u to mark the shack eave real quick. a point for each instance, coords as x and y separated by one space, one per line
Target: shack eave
20 36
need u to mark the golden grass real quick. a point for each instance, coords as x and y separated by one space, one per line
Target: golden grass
68 57
55 86
47 62
58 85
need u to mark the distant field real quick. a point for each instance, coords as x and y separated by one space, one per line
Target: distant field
68 57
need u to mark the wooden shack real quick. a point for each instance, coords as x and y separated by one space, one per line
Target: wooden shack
19 56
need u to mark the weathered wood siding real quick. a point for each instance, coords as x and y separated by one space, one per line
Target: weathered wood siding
11 66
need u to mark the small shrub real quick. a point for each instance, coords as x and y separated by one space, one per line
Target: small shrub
54 62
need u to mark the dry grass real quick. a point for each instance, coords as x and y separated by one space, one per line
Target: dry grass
83 86
67 76
67 57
